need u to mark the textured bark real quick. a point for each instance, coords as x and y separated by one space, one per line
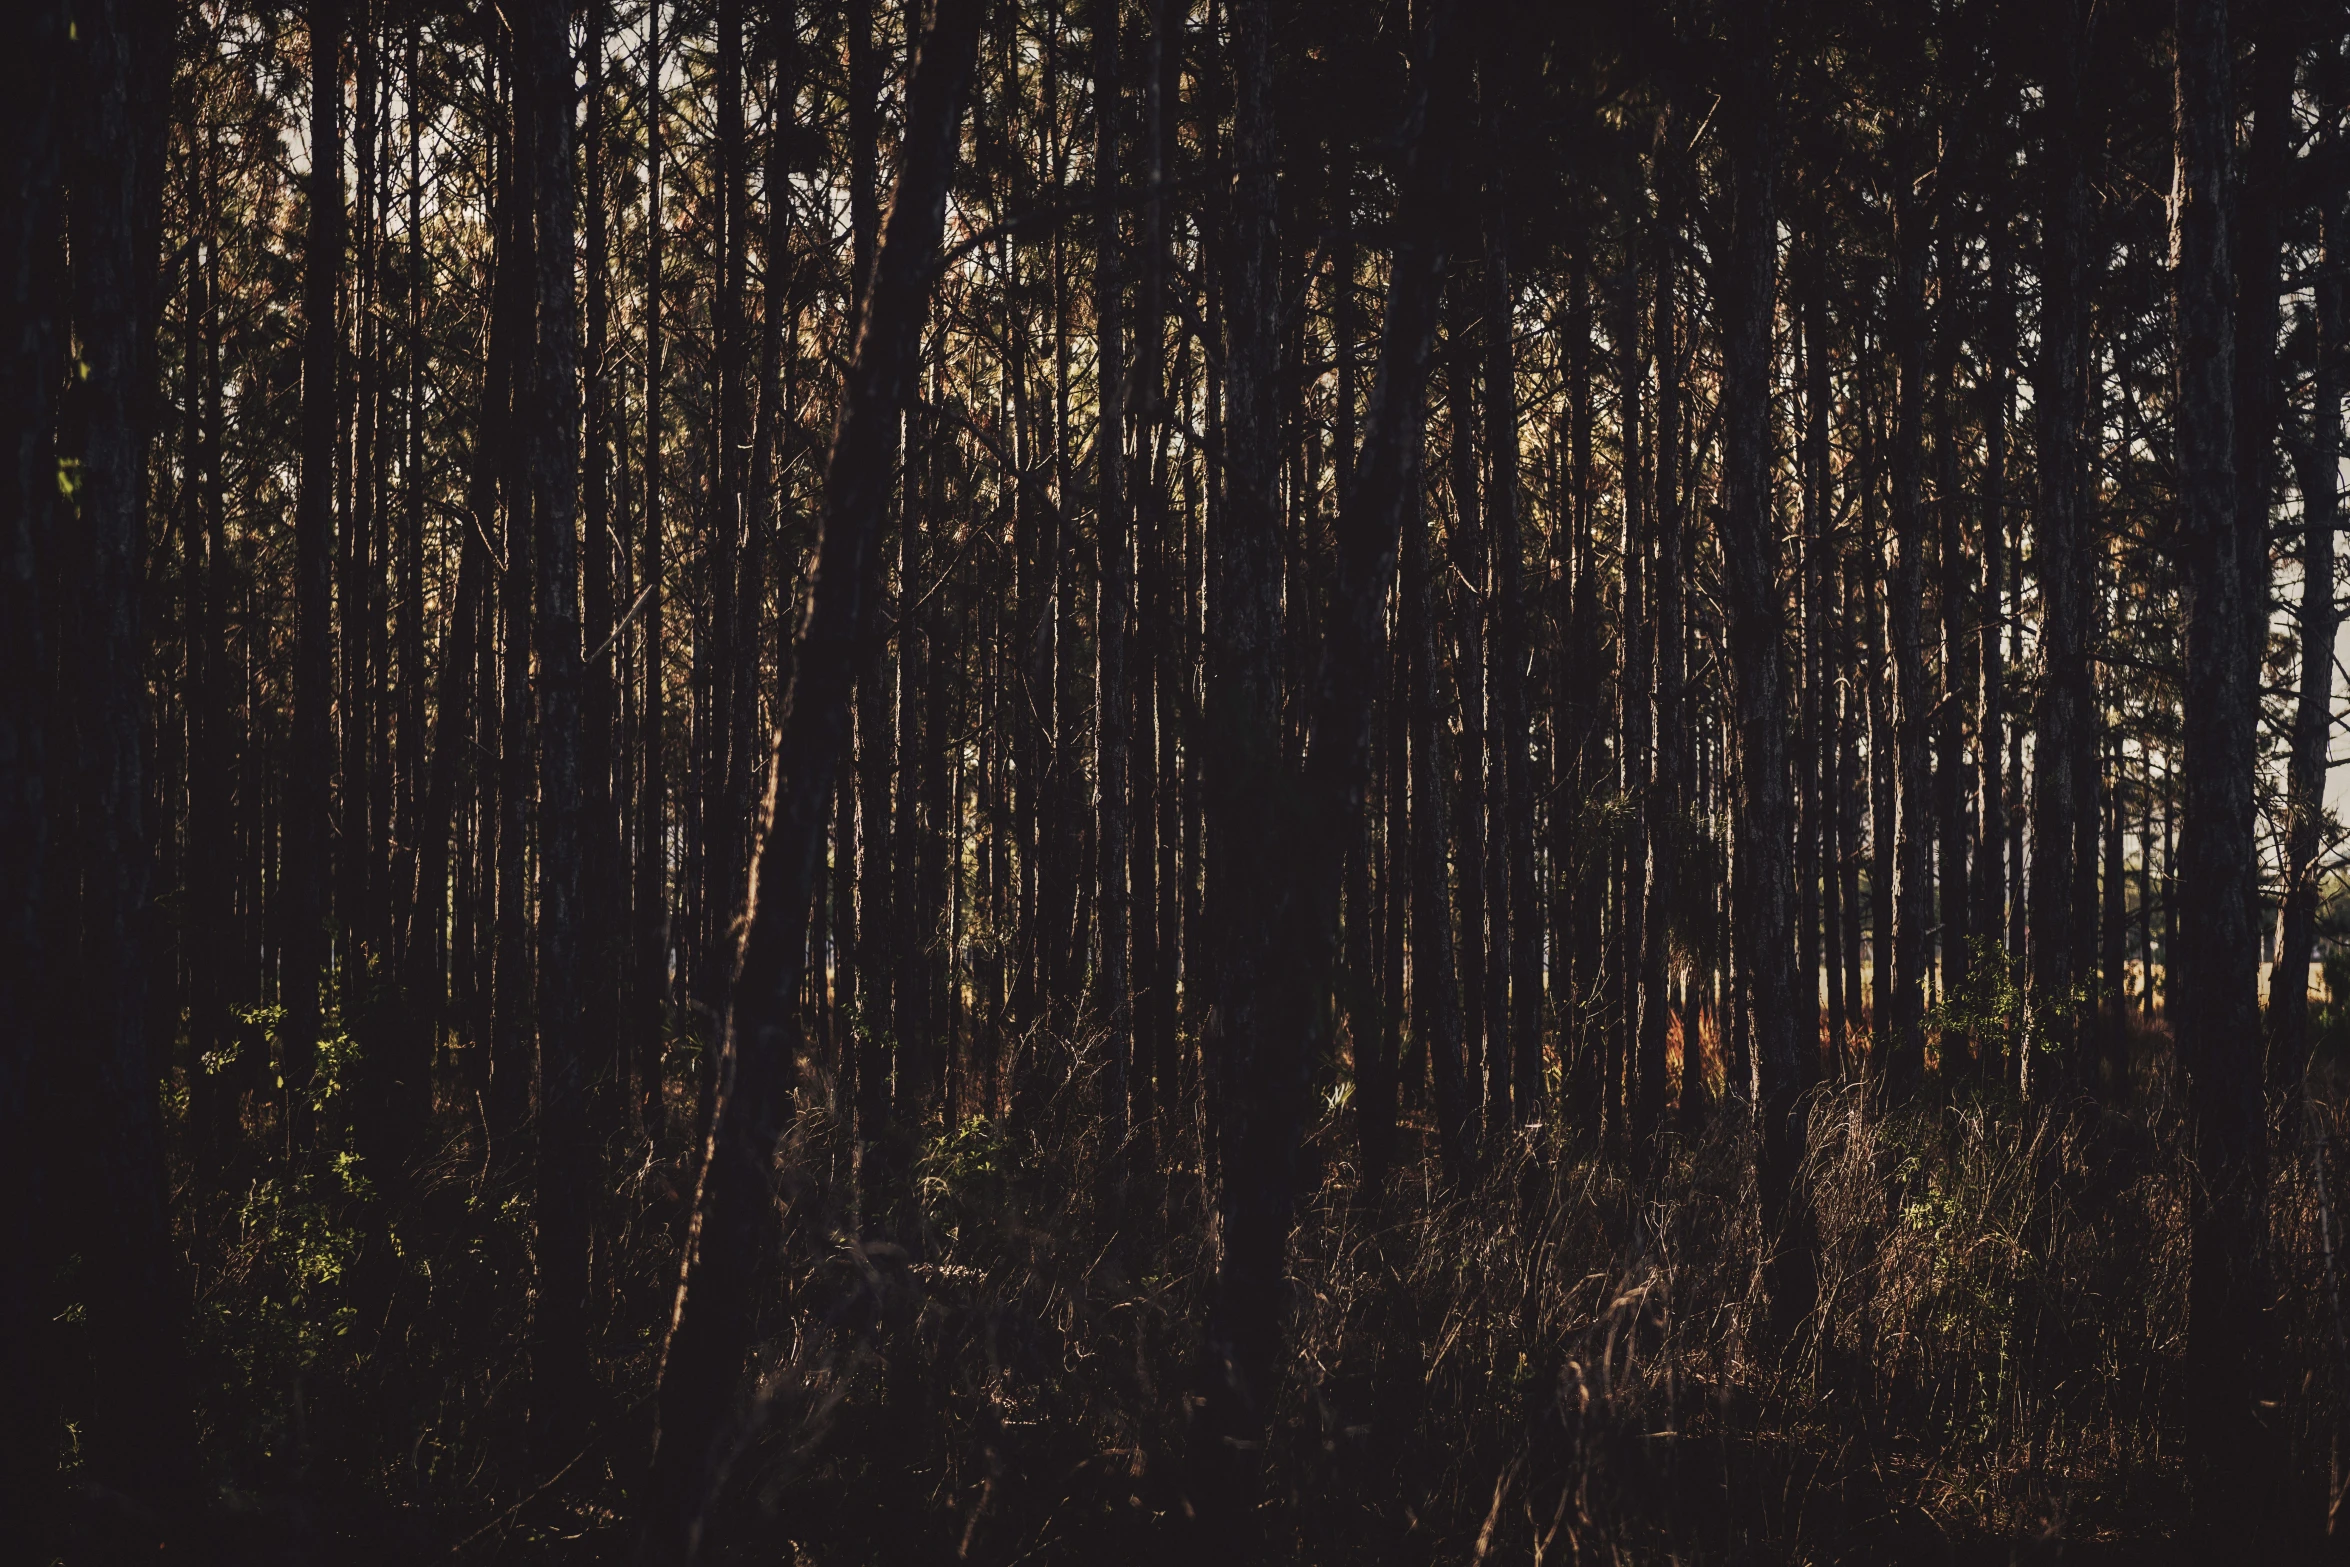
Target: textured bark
2317 467
712 1325
33 119
649 939
2233 1453
1823 767
2061 550
603 890
1468 550
1114 537
139 1437
560 1374
311 764
1518 1031
1634 730
1991 859
1765 830
1281 840
1435 981
1662 809
1953 775
1904 1046
513 1063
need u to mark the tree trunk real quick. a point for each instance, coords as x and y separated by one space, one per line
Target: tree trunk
2317 466
650 938
1281 842
34 117
560 1375
139 1437
2061 548
1662 809
1905 1042
2232 1456
312 762
713 1323
1765 890
1114 538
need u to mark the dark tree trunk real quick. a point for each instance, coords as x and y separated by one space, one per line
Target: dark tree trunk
2317 466
1765 889
1280 845
1435 981
1662 808
1991 860
1519 1056
1634 732
1904 1041
512 1056
1821 884
603 891
139 1437
2061 548
712 1325
560 1376
1469 677
1953 779
312 762
34 110
650 938
2224 581
1114 538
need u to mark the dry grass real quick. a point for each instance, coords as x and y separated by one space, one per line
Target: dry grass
1554 1365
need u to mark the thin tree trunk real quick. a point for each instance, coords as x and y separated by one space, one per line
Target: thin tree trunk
650 938
2317 466
312 762
1662 811
1905 1056
1520 1056
560 1375
1114 537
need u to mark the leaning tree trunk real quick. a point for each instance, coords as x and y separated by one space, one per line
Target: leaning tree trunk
712 1325
2224 565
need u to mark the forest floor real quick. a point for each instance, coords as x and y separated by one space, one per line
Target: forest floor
1553 1364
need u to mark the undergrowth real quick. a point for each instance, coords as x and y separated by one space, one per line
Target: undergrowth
1550 1364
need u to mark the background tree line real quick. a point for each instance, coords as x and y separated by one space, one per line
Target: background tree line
736 738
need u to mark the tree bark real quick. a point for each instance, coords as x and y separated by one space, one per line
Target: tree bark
33 121
713 1322
2232 1455
311 765
2061 547
1765 889
560 1373
1281 841
139 1438
2317 467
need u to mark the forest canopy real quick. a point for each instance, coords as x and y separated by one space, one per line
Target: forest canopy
1256 780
